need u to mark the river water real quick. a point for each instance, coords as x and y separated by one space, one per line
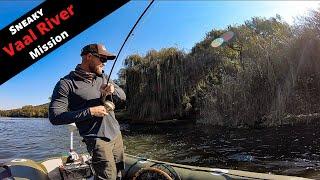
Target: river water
283 150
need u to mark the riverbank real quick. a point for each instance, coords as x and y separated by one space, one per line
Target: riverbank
267 122
290 119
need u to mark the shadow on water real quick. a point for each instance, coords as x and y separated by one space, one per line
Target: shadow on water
289 150
283 150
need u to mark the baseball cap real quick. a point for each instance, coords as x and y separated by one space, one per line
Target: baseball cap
98 49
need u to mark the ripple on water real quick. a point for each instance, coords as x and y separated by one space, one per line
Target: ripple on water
272 150
189 160
6 154
241 139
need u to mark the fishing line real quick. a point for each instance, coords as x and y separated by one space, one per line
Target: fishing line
128 38
133 34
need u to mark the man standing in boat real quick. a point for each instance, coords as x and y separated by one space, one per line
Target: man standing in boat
79 98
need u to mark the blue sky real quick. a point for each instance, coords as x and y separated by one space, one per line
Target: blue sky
168 23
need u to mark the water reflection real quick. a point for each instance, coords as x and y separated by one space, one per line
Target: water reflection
285 150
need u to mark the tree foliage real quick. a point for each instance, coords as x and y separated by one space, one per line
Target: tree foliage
254 79
27 111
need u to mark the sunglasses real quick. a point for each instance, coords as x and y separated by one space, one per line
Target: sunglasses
102 59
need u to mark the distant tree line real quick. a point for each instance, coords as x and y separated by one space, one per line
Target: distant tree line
268 72
40 111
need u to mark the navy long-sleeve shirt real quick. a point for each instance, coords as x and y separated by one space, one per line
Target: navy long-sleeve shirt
70 102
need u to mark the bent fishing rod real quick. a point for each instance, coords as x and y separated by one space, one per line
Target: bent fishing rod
109 104
129 34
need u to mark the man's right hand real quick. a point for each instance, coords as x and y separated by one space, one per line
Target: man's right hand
98 111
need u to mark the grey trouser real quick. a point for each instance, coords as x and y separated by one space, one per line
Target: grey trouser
107 157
